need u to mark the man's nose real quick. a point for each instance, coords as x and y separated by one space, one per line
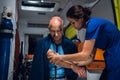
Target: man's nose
56 33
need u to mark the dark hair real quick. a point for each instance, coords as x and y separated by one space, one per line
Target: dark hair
77 12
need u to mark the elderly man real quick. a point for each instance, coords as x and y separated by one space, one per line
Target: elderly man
42 69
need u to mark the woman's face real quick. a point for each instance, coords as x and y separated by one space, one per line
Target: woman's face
77 24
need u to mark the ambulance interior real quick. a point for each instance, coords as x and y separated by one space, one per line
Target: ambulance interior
30 20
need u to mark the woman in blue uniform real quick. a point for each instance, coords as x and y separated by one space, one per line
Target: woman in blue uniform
100 33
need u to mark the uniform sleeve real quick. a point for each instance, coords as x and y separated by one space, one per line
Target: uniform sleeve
92 31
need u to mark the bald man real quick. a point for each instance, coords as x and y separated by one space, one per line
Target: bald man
42 69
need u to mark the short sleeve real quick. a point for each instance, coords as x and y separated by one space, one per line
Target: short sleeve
92 30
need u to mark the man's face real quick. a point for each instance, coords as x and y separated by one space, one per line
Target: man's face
56 32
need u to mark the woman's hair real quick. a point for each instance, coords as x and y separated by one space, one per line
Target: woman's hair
77 12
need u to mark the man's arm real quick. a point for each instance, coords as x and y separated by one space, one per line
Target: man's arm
64 64
67 64
84 55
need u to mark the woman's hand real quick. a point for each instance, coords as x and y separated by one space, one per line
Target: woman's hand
81 71
56 60
53 57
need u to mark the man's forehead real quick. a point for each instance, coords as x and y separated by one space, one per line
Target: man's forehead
55 22
56 25
55 28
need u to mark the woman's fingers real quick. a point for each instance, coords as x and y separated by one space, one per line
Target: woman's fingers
79 70
50 52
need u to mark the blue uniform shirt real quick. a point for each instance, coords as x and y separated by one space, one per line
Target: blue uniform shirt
107 38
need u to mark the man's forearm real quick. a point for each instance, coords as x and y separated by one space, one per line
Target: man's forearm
64 64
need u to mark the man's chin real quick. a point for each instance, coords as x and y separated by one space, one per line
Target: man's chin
57 41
